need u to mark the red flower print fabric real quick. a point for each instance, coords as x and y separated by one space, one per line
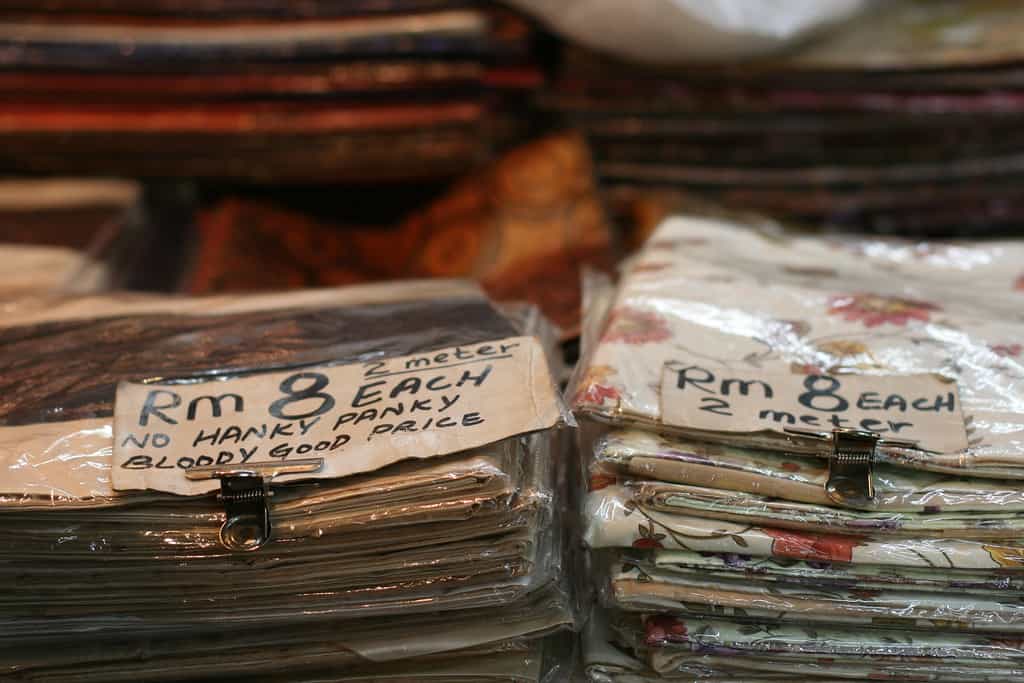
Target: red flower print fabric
597 393
1007 350
595 388
601 480
634 326
647 538
754 304
873 310
815 547
663 629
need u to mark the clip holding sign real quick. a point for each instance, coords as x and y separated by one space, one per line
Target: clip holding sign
851 468
245 493
851 464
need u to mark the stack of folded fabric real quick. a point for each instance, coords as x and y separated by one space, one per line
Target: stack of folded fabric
388 470
806 458
265 91
57 234
905 119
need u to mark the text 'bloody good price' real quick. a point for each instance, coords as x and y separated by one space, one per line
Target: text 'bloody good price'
351 415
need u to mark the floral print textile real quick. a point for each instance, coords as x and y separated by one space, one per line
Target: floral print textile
616 519
722 556
794 304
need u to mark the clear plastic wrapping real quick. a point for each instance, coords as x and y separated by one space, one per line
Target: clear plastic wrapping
635 454
631 649
616 520
745 507
722 553
735 639
459 551
841 575
484 546
307 650
777 302
637 585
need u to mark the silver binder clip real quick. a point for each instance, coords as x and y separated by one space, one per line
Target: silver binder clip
245 493
851 464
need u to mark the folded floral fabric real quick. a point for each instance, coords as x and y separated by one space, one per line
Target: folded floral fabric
791 477
616 520
752 304
837 574
639 587
745 507
725 669
730 389
716 649
794 644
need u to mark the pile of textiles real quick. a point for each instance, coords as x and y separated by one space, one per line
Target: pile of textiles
806 458
408 513
58 234
904 120
261 91
524 226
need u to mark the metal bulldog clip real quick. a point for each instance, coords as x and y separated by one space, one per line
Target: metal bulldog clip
245 493
851 463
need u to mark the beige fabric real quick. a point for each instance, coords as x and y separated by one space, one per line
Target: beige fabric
718 293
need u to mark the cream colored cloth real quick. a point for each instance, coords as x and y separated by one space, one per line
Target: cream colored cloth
768 301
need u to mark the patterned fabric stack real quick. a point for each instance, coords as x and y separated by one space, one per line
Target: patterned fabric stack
905 120
806 458
425 543
319 91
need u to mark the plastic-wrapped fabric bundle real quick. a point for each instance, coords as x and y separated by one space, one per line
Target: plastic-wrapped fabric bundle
326 650
804 455
433 512
732 650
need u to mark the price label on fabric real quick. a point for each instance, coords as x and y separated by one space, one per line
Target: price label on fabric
358 417
741 399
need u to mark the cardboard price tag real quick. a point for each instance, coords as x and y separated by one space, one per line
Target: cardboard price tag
741 399
358 417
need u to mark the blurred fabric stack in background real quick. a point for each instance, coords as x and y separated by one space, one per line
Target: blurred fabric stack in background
61 235
319 91
524 226
905 119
